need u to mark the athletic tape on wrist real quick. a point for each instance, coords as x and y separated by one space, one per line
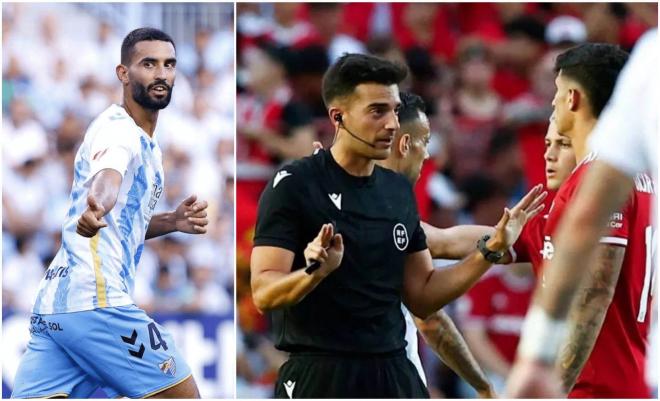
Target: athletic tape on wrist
541 336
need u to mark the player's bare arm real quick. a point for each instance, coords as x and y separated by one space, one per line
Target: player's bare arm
273 283
426 289
440 332
101 199
292 146
588 311
485 351
189 217
603 189
454 242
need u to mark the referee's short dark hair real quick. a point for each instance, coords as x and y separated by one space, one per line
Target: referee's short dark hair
139 35
410 107
351 70
595 66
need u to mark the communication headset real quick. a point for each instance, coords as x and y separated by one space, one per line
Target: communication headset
338 117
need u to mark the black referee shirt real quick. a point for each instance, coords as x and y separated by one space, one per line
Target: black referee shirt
357 308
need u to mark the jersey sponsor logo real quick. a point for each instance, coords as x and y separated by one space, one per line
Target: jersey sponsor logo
336 200
616 220
57 272
168 367
400 237
155 195
39 325
548 250
280 176
288 387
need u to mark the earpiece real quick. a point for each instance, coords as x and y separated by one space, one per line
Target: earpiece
338 117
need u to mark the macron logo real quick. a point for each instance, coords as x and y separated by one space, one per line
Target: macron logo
336 199
289 386
280 176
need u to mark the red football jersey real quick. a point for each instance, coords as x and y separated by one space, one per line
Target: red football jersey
499 303
526 248
616 366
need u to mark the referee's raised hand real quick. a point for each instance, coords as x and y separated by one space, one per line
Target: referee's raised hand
510 226
327 248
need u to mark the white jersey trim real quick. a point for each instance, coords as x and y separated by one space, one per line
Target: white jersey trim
614 241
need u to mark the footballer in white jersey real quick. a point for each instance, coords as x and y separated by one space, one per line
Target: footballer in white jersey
86 332
88 274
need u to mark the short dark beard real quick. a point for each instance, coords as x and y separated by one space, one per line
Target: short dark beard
141 96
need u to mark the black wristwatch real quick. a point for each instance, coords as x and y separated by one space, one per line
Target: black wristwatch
491 256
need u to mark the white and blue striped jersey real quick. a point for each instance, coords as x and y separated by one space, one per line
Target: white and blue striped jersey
98 272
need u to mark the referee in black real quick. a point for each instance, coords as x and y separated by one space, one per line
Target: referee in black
338 246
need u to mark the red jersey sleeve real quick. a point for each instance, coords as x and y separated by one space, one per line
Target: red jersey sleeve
526 247
619 223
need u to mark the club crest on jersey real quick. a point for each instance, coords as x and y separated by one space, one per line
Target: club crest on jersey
168 366
548 250
400 237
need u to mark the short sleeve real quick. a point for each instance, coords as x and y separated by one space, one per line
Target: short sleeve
278 214
417 240
619 223
113 147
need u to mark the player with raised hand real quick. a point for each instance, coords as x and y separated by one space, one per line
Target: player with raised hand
348 325
610 311
86 330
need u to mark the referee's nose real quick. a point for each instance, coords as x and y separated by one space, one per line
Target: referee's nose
392 122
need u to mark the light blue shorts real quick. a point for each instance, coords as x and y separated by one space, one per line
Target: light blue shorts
121 350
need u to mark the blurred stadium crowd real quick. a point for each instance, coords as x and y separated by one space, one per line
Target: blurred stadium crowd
58 74
486 74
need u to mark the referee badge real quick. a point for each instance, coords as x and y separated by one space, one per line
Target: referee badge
400 237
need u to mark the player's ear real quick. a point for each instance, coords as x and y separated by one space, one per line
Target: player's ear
404 144
573 98
122 73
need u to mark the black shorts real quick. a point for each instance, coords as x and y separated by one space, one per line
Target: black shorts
322 375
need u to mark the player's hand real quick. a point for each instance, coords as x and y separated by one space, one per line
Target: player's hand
91 221
532 379
317 146
191 215
510 226
327 248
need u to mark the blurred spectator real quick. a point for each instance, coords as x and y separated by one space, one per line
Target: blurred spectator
565 31
21 275
491 316
504 163
476 109
517 55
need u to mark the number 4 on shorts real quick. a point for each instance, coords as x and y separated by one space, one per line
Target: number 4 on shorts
154 335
